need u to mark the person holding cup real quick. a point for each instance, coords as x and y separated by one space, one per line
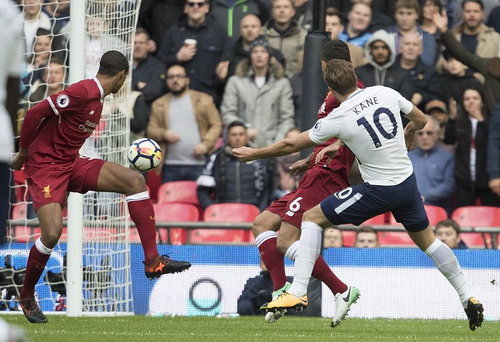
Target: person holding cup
201 46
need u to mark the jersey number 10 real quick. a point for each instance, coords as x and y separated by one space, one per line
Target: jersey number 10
376 119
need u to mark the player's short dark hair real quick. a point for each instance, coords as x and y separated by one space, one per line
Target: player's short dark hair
479 2
112 62
236 124
449 223
340 76
335 49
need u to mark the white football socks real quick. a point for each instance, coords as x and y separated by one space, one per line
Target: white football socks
308 251
291 252
448 265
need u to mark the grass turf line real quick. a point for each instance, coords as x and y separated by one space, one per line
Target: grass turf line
140 328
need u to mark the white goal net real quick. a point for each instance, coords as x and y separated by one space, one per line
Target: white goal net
106 288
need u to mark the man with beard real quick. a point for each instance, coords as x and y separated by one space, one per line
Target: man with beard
186 124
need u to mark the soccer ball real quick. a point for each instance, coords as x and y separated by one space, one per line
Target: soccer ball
144 154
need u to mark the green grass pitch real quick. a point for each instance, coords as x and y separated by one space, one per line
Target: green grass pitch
141 328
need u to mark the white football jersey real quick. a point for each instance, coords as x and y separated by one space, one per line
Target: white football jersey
369 123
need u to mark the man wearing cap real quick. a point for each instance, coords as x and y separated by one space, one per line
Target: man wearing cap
437 109
433 166
259 95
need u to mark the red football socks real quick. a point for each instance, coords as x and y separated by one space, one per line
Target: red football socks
143 215
322 271
274 261
34 269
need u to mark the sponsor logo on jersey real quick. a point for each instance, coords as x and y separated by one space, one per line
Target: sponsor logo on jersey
46 191
290 213
91 113
62 101
322 108
317 125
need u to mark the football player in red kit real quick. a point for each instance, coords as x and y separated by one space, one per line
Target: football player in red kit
52 134
323 177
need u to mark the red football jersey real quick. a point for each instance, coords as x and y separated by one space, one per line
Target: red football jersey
344 157
55 129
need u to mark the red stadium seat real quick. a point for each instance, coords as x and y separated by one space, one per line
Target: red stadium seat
477 216
394 238
349 238
435 214
175 212
375 221
226 212
179 191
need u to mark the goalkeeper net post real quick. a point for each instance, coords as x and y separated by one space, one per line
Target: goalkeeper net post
74 280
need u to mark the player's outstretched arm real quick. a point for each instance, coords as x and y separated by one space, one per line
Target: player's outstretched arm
417 122
280 148
330 150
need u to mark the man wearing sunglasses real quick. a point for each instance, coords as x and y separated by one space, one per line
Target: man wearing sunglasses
433 166
201 46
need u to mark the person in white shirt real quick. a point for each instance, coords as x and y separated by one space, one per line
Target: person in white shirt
10 70
368 122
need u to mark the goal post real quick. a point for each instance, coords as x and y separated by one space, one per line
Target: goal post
89 271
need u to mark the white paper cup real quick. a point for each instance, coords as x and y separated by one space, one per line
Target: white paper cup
190 41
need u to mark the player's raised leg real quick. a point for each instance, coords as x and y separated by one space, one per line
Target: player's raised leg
447 263
116 178
50 216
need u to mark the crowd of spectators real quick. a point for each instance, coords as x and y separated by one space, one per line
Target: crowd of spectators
203 67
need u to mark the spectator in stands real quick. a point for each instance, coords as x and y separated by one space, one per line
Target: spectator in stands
186 124
98 41
250 30
53 81
493 163
226 179
429 8
468 127
448 231
158 16
256 292
456 78
478 38
438 110
333 24
488 67
229 14
148 71
382 11
358 22
332 237
58 12
407 14
34 18
433 166
366 237
259 95
286 35
201 46
421 75
37 62
381 69
303 13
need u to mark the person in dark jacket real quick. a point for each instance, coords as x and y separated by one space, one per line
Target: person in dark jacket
147 73
381 68
493 165
201 46
468 127
227 180
156 16
230 13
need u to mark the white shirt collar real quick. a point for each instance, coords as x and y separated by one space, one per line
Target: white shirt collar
101 89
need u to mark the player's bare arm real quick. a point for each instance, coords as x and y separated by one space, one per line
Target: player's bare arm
417 122
281 148
330 150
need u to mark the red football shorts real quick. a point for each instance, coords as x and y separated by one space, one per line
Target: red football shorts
316 185
51 183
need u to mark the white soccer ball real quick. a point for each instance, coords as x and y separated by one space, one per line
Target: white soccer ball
144 154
